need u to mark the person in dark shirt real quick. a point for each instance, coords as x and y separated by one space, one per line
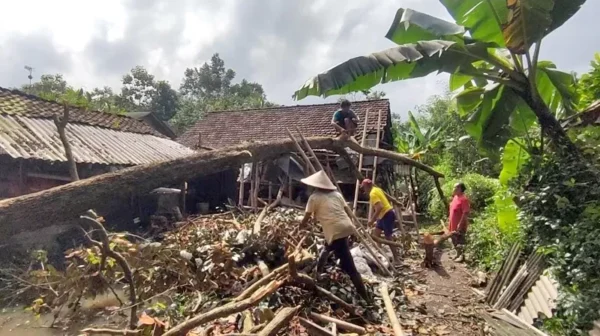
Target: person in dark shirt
345 120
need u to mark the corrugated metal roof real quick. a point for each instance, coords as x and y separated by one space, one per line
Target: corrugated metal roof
35 138
542 299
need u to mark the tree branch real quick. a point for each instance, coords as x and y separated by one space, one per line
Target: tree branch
108 252
61 125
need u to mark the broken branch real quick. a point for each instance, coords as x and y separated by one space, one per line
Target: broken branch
226 310
341 324
281 319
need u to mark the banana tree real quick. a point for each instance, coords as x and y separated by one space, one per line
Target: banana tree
415 141
491 52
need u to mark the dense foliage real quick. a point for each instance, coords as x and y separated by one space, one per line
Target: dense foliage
560 210
209 87
588 87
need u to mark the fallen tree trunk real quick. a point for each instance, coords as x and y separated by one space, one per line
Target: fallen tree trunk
66 203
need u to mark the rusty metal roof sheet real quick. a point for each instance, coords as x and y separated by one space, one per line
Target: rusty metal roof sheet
37 138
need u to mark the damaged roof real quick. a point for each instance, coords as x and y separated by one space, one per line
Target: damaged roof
229 128
27 131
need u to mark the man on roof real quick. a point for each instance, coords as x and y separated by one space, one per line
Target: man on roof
345 120
328 207
383 213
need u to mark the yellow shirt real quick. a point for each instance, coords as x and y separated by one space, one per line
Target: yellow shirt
377 196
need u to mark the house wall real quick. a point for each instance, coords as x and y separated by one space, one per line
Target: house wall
20 177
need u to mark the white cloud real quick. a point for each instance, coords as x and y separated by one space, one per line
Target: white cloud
279 44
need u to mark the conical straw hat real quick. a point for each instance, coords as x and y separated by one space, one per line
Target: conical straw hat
319 180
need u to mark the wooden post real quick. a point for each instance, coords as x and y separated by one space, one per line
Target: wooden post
21 178
290 189
270 191
182 198
413 208
241 196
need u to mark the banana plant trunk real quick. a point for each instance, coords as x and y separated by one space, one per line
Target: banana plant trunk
551 127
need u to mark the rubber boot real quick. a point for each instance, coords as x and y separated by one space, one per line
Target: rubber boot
460 257
360 288
321 262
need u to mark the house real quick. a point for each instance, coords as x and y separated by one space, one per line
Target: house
32 156
228 128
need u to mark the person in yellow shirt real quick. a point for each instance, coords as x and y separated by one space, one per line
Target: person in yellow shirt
383 214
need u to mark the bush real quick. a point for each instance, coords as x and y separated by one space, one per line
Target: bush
489 238
480 191
560 211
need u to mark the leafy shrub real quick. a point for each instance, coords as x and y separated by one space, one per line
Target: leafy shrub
492 232
480 191
560 210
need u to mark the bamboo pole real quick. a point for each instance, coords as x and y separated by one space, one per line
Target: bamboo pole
389 307
360 162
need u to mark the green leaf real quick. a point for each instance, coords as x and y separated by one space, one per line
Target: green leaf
469 99
416 130
411 26
528 21
506 212
522 119
563 10
399 63
458 80
482 18
514 157
489 125
558 89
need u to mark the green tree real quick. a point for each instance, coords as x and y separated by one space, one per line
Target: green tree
142 92
491 53
589 84
210 88
48 87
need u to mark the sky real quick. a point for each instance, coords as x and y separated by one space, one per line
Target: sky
279 44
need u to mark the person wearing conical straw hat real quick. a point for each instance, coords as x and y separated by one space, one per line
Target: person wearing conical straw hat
327 205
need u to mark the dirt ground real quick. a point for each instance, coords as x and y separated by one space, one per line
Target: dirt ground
441 300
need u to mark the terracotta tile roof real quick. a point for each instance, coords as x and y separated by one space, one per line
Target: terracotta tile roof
17 103
228 128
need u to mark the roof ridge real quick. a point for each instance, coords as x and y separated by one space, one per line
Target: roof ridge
38 98
292 106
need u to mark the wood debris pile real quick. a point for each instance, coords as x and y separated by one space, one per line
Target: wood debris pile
213 276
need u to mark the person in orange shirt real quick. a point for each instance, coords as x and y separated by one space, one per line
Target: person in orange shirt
459 219
383 213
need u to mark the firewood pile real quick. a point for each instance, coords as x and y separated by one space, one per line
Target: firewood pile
213 276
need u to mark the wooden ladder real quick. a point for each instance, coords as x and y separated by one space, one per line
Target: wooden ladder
314 165
370 173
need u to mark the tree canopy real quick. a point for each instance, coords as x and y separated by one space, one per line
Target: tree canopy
209 87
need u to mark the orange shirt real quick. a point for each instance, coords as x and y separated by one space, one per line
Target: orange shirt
459 207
